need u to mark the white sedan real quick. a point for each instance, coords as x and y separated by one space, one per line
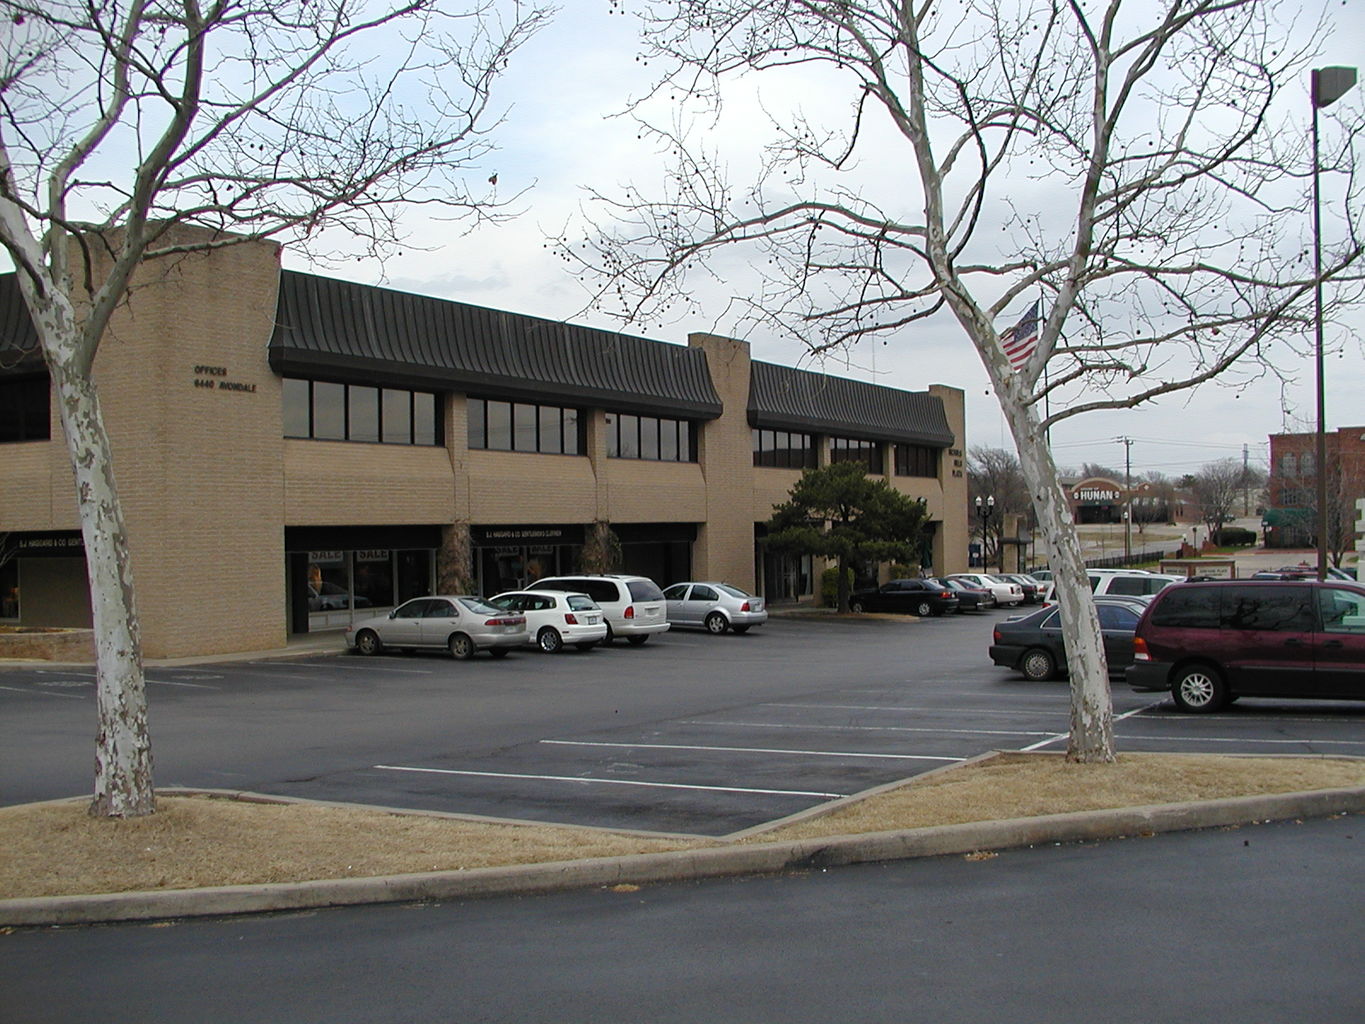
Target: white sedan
556 617
1007 594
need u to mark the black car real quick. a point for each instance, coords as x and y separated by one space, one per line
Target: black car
1033 645
969 598
918 597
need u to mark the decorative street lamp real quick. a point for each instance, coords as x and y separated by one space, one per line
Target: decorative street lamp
1329 85
984 511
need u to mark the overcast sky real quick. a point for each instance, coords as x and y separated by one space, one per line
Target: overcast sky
560 135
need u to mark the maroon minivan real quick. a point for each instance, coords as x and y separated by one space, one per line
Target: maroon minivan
1210 643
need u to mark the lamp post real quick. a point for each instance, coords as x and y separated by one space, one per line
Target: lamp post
1328 86
984 511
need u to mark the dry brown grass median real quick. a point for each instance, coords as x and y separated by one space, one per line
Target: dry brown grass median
56 849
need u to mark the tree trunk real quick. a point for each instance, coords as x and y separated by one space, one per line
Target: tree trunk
841 587
1092 727
123 753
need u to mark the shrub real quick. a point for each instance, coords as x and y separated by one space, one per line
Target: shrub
1234 537
829 585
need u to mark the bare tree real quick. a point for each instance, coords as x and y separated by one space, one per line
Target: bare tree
995 473
1121 164
1217 489
126 122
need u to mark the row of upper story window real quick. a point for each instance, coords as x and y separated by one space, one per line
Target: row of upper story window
327 411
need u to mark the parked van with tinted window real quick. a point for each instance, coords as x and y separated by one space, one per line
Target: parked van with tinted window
1210 643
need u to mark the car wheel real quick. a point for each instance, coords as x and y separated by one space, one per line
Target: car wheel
636 641
549 640
611 635
499 652
856 606
739 629
586 646
924 609
716 624
461 647
1199 689
1038 665
367 642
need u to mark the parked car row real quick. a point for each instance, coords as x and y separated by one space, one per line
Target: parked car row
958 592
558 611
1209 643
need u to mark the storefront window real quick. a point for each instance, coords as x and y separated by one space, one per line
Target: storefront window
9 590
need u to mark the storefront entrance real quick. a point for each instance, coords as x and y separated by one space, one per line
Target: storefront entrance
336 575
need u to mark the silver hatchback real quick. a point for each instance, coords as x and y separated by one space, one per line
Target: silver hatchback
716 606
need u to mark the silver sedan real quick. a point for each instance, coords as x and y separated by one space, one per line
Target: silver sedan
716 606
459 623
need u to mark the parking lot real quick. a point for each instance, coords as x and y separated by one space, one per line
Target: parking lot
688 734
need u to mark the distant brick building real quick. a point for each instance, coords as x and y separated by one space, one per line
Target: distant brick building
1290 518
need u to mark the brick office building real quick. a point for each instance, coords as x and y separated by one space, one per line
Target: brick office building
294 450
1290 517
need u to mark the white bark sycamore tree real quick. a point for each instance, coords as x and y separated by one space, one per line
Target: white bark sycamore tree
1119 163
122 122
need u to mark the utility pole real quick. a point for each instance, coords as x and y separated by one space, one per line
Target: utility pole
1127 498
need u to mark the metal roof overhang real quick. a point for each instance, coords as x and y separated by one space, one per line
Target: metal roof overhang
19 348
352 332
783 398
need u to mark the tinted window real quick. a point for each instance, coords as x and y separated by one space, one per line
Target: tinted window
441 610
296 410
1284 609
1343 611
1115 617
676 592
364 414
733 591
412 610
1130 585
581 603
1187 607
643 590
698 594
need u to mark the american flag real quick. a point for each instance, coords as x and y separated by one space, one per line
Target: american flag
1021 339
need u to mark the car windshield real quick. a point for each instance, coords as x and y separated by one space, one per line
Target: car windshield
581 603
732 591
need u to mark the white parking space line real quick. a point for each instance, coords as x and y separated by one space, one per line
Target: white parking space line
368 666
610 782
953 710
875 728
1063 735
1316 741
43 693
170 682
750 750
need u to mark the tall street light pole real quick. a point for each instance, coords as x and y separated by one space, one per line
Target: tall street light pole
1329 85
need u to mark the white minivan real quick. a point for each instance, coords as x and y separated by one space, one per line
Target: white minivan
634 606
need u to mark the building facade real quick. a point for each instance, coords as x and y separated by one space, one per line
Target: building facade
1290 517
293 451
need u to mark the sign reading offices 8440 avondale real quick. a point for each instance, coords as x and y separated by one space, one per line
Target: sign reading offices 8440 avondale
215 378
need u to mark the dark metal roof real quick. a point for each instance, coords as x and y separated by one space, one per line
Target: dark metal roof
19 350
350 332
783 398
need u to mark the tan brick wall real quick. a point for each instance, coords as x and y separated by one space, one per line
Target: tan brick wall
725 543
199 467
37 490
341 483
948 498
522 487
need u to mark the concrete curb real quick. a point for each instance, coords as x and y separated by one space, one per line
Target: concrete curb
766 858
